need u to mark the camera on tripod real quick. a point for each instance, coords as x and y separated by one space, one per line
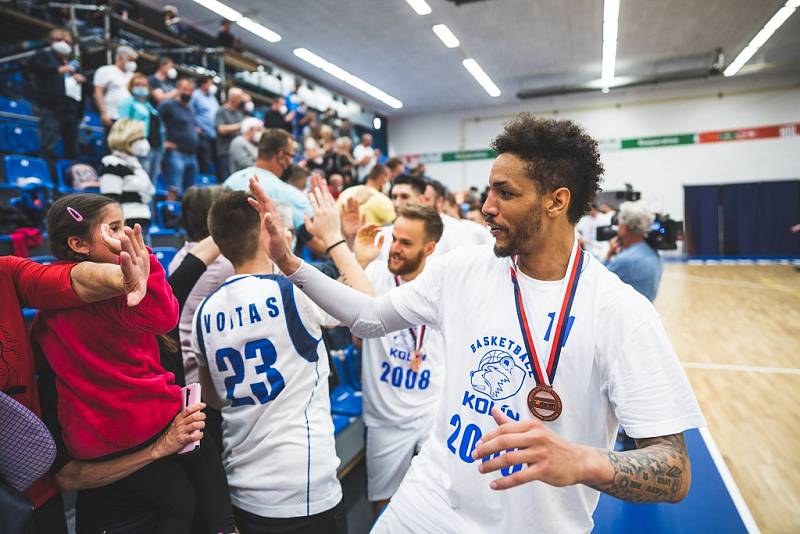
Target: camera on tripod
664 231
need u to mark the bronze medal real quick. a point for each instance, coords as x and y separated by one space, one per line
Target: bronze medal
416 361
544 403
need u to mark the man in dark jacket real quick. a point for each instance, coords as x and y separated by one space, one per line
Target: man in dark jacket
59 94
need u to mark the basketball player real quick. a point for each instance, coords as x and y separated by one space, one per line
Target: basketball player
400 395
258 341
546 351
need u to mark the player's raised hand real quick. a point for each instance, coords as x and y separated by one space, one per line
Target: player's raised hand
366 247
135 263
543 454
352 220
325 225
272 230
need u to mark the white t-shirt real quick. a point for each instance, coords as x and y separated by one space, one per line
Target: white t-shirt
393 393
115 83
617 366
359 152
478 234
454 235
262 337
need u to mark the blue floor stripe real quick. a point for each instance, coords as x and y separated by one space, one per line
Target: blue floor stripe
707 508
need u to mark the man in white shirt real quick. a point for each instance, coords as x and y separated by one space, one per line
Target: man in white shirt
400 394
540 340
259 348
111 84
364 157
463 231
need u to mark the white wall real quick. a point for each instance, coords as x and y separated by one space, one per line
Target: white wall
659 173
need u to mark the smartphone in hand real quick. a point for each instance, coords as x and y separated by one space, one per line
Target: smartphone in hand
190 395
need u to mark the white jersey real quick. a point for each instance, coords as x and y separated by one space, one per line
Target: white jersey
454 235
260 339
617 366
393 393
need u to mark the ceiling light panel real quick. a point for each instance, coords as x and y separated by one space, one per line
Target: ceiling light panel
351 79
610 28
258 29
762 36
220 9
446 36
420 6
482 78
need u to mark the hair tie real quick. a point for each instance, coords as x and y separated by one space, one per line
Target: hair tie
75 215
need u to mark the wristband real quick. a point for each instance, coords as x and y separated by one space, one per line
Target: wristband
328 250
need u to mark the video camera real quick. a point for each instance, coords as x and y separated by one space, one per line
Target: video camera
664 232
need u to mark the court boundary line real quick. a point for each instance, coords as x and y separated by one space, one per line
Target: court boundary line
730 484
742 368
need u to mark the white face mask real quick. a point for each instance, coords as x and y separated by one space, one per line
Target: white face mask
284 109
172 73
213 90
257 137
249 107
140 148
62 48
130 66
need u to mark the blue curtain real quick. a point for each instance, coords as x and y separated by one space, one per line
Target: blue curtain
740 212
701 205
779 210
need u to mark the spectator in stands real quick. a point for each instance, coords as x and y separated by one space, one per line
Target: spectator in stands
49 287
365 157
297 177
475 215
122 176
292 98
111 84
340 161
244 148
396 168
587 232
180 145
630 256
407 189
331 117
346 129
204 104
335 185
161 85
374 205
138 107
195 205
225 38
173 22
278 116
276 151
58 85
228 123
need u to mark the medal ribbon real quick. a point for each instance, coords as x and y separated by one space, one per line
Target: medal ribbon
573 276
417 340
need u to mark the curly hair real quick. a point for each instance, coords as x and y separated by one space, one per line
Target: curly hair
557 153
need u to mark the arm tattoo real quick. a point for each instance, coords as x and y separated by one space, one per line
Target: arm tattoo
655 472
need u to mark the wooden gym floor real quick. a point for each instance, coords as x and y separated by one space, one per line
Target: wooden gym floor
736 328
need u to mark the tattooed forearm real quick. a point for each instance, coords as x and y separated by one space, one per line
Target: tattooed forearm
657 471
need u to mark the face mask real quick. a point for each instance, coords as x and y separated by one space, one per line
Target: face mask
185 98
284 109
140 92
213 90
249 107
257 137
130 66
140 148
62 48
172 73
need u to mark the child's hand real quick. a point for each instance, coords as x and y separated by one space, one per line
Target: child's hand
111 241
135 264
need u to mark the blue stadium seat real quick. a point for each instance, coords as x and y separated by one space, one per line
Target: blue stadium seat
346 401
202 180
352 358
165 255
61 173
92 119
168 214
93 144
20 137
17 107
6 247
340 422
17 167
44 260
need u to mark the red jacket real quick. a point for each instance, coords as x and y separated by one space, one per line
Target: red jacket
113 393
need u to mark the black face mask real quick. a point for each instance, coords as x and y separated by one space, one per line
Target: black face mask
286 174
185 98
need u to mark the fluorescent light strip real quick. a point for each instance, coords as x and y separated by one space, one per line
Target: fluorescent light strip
446 36
610 28
246 23
420 6
761 37
340 73
477 72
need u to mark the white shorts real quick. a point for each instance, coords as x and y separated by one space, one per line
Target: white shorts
389 453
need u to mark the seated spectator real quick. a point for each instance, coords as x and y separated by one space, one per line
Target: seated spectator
114 395
374 205
162 86
58 85
138 107
180 144
228 122
630 256
243 149
123 178
111 85
276 151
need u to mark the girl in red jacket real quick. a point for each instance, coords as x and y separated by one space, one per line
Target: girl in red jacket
114 396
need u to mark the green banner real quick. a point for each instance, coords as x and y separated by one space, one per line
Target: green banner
467 155
659 141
